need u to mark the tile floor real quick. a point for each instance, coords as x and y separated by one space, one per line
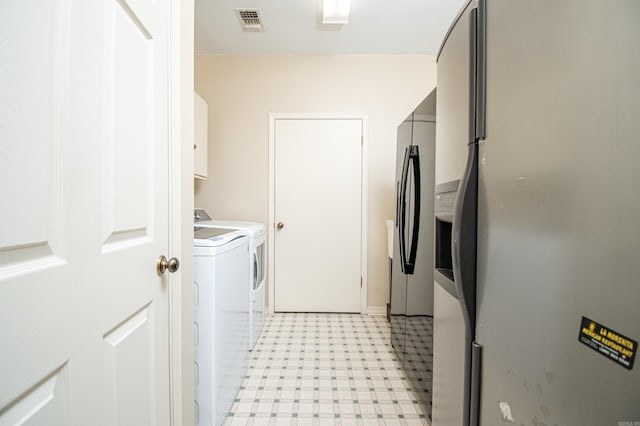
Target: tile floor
419 358
326 369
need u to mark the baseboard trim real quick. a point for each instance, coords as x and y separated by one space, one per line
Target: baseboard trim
377 310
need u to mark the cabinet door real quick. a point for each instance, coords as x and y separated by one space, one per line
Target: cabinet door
200 133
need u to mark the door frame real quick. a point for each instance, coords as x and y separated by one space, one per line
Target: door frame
364 200
180 128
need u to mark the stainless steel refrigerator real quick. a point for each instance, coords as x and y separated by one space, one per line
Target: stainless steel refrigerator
537 295
411 304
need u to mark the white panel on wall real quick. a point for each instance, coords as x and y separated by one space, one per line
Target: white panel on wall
129 366
31 131
128 189
46 403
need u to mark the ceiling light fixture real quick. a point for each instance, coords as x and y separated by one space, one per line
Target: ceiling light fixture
335 11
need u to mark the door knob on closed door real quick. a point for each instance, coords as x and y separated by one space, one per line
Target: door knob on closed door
280 225
162 265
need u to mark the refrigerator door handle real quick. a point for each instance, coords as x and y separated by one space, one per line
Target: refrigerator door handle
481 71
414 159
476 384
464 228
473 75
398 196
463 240
403 210
463 247
465 213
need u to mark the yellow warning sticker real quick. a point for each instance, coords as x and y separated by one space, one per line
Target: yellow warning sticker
607 342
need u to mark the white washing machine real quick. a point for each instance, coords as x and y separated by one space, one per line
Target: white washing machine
257 266
221 320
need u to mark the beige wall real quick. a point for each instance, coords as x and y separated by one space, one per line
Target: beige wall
241 92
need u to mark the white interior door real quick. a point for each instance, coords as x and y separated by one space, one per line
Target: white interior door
318 202
83 182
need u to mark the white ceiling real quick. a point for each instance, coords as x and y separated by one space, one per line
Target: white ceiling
294 27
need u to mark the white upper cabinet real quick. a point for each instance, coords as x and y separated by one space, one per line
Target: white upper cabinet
200 137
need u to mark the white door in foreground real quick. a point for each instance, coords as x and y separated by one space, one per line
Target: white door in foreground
83 181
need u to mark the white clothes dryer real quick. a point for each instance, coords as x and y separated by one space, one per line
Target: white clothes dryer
221 320
257 266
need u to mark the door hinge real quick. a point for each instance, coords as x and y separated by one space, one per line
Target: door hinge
360 282
361 140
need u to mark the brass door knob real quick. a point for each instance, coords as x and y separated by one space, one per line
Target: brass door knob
162 265
280 225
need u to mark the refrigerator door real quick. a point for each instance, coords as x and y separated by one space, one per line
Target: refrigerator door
456 159
418 361
452 132
398 278
412 271
420 282
559 204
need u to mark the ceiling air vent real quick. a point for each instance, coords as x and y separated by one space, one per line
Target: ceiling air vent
251 20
